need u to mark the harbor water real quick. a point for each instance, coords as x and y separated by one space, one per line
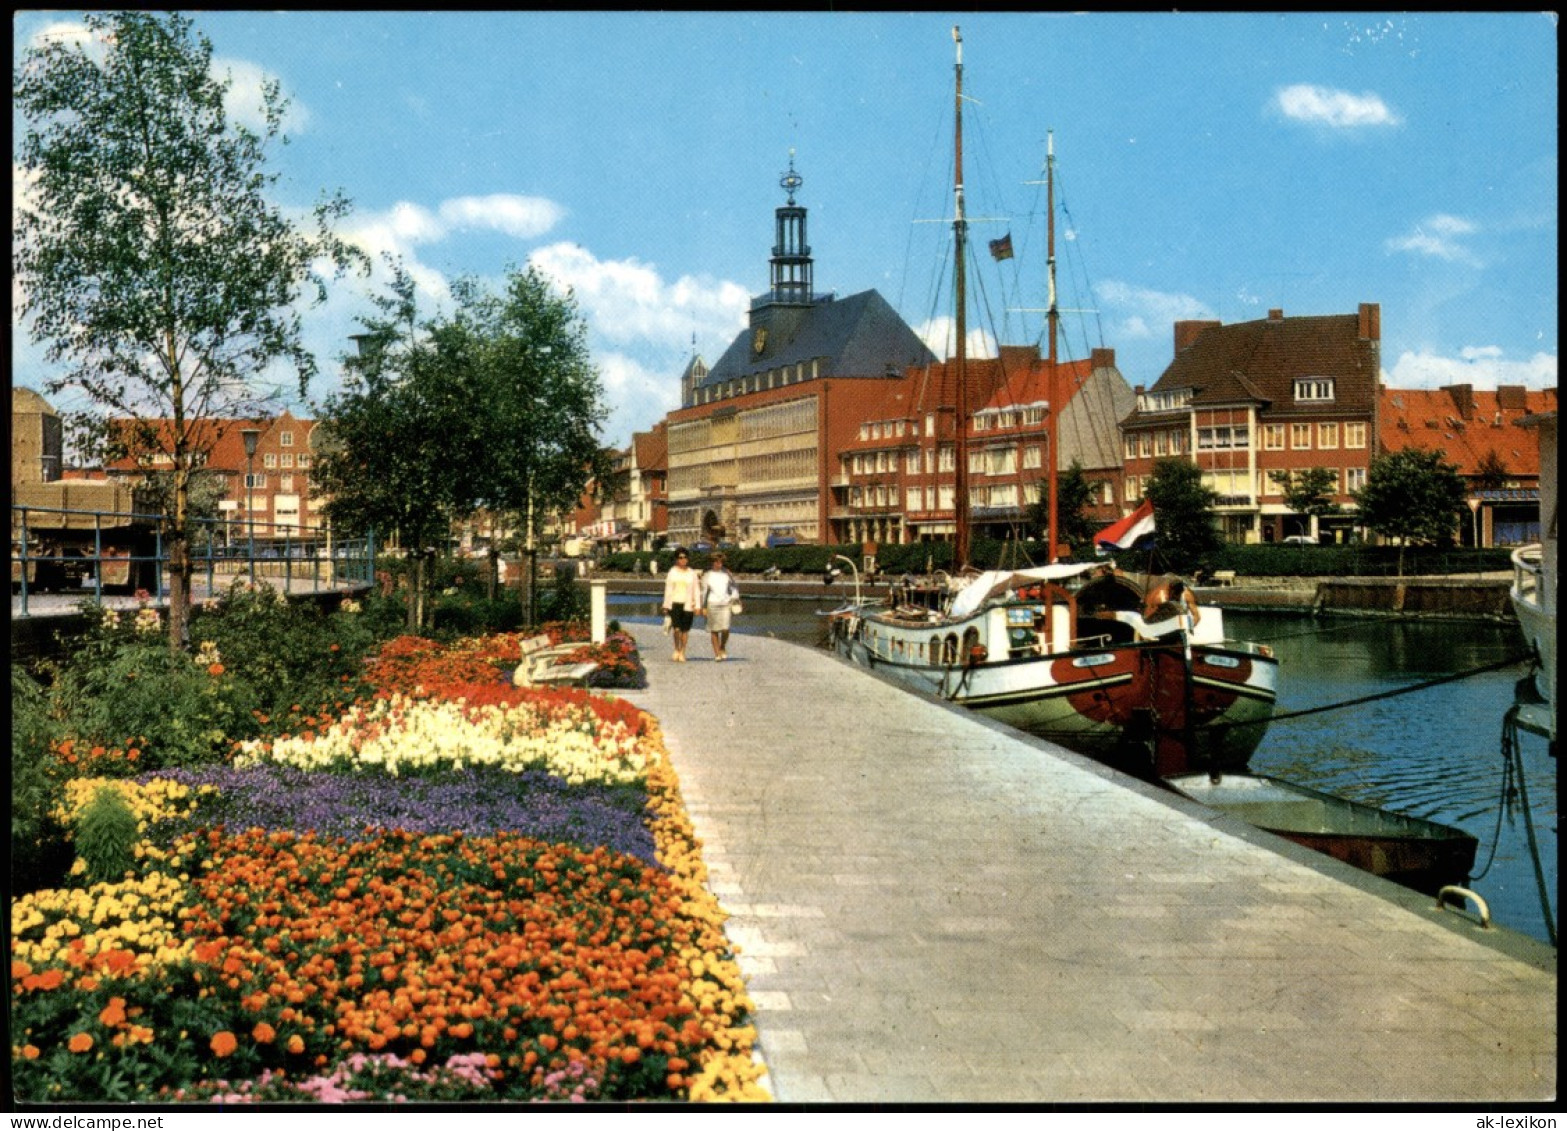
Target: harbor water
1434 753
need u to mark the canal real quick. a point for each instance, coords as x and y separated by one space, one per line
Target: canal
1434 753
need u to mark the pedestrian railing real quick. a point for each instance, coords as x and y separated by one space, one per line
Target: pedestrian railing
91 553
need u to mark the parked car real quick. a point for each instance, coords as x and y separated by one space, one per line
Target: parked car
1300 540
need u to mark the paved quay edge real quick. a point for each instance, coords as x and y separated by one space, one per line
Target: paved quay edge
932 908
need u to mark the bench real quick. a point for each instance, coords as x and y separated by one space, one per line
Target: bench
1224 577
546 664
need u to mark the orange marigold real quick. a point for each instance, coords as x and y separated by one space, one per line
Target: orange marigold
113 1013
224 1043
263 1033
296 1044
80 1042
29 1052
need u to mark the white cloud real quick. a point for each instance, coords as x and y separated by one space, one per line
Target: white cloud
1141 313
244 102
522 217
1320 105
63 31
1438 237
1484 367
638 396
940 333
625 300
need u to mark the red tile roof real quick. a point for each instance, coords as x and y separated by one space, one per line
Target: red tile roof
1465 424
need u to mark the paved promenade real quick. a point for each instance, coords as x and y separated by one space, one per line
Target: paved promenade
933 908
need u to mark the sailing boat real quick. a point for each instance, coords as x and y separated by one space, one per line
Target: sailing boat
1052 650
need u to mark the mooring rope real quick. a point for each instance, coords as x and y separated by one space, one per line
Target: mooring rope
1451 678
1514 756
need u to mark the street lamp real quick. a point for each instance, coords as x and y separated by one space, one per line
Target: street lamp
1474 516
250 436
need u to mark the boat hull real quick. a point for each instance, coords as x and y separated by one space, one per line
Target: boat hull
1137 707
1532 596
1408 850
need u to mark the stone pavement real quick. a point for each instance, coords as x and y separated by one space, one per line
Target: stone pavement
933 908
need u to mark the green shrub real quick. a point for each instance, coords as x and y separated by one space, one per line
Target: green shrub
562 600
106 836
284 653
40 852
179 712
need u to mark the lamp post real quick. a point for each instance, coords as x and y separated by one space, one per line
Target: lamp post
250 436
1474 515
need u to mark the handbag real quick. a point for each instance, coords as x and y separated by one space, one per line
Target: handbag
735 609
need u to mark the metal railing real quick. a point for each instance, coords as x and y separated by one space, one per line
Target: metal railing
85 552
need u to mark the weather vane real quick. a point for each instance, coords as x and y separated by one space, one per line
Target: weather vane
791 180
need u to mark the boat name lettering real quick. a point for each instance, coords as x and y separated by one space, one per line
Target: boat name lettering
1221 661
1093 661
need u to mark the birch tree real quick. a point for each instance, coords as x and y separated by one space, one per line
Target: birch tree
153 265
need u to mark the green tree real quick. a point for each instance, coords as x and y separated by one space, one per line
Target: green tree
496 405
1413 496
1492 473
150 258
1183 513
523 355
393 443
1075 494
1309 492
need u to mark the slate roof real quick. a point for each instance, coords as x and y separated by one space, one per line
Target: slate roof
1258 362
857 336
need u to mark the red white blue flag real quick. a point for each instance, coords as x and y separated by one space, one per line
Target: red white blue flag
1134 532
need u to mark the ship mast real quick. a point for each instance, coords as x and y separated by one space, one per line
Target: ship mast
1052 316
960 539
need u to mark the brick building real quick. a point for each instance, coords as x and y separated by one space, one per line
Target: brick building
1273 395
752 450
1479 431
273 488
636 514
896 477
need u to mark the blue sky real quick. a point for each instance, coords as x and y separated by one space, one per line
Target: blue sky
1210 166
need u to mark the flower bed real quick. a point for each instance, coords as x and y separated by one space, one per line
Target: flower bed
455 890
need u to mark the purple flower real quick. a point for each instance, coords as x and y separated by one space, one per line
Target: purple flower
477 801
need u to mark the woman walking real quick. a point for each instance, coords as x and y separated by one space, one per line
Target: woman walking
682 598
718 593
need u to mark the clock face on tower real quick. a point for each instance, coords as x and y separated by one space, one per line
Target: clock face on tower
759 340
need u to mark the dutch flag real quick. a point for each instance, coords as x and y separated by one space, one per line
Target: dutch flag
1134 532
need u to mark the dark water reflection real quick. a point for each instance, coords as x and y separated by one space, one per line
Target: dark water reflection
1434 753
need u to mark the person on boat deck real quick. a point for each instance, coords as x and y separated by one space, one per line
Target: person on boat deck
717 591
1170 600
682 598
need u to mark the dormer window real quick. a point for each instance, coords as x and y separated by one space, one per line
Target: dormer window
1167 401
1314 389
